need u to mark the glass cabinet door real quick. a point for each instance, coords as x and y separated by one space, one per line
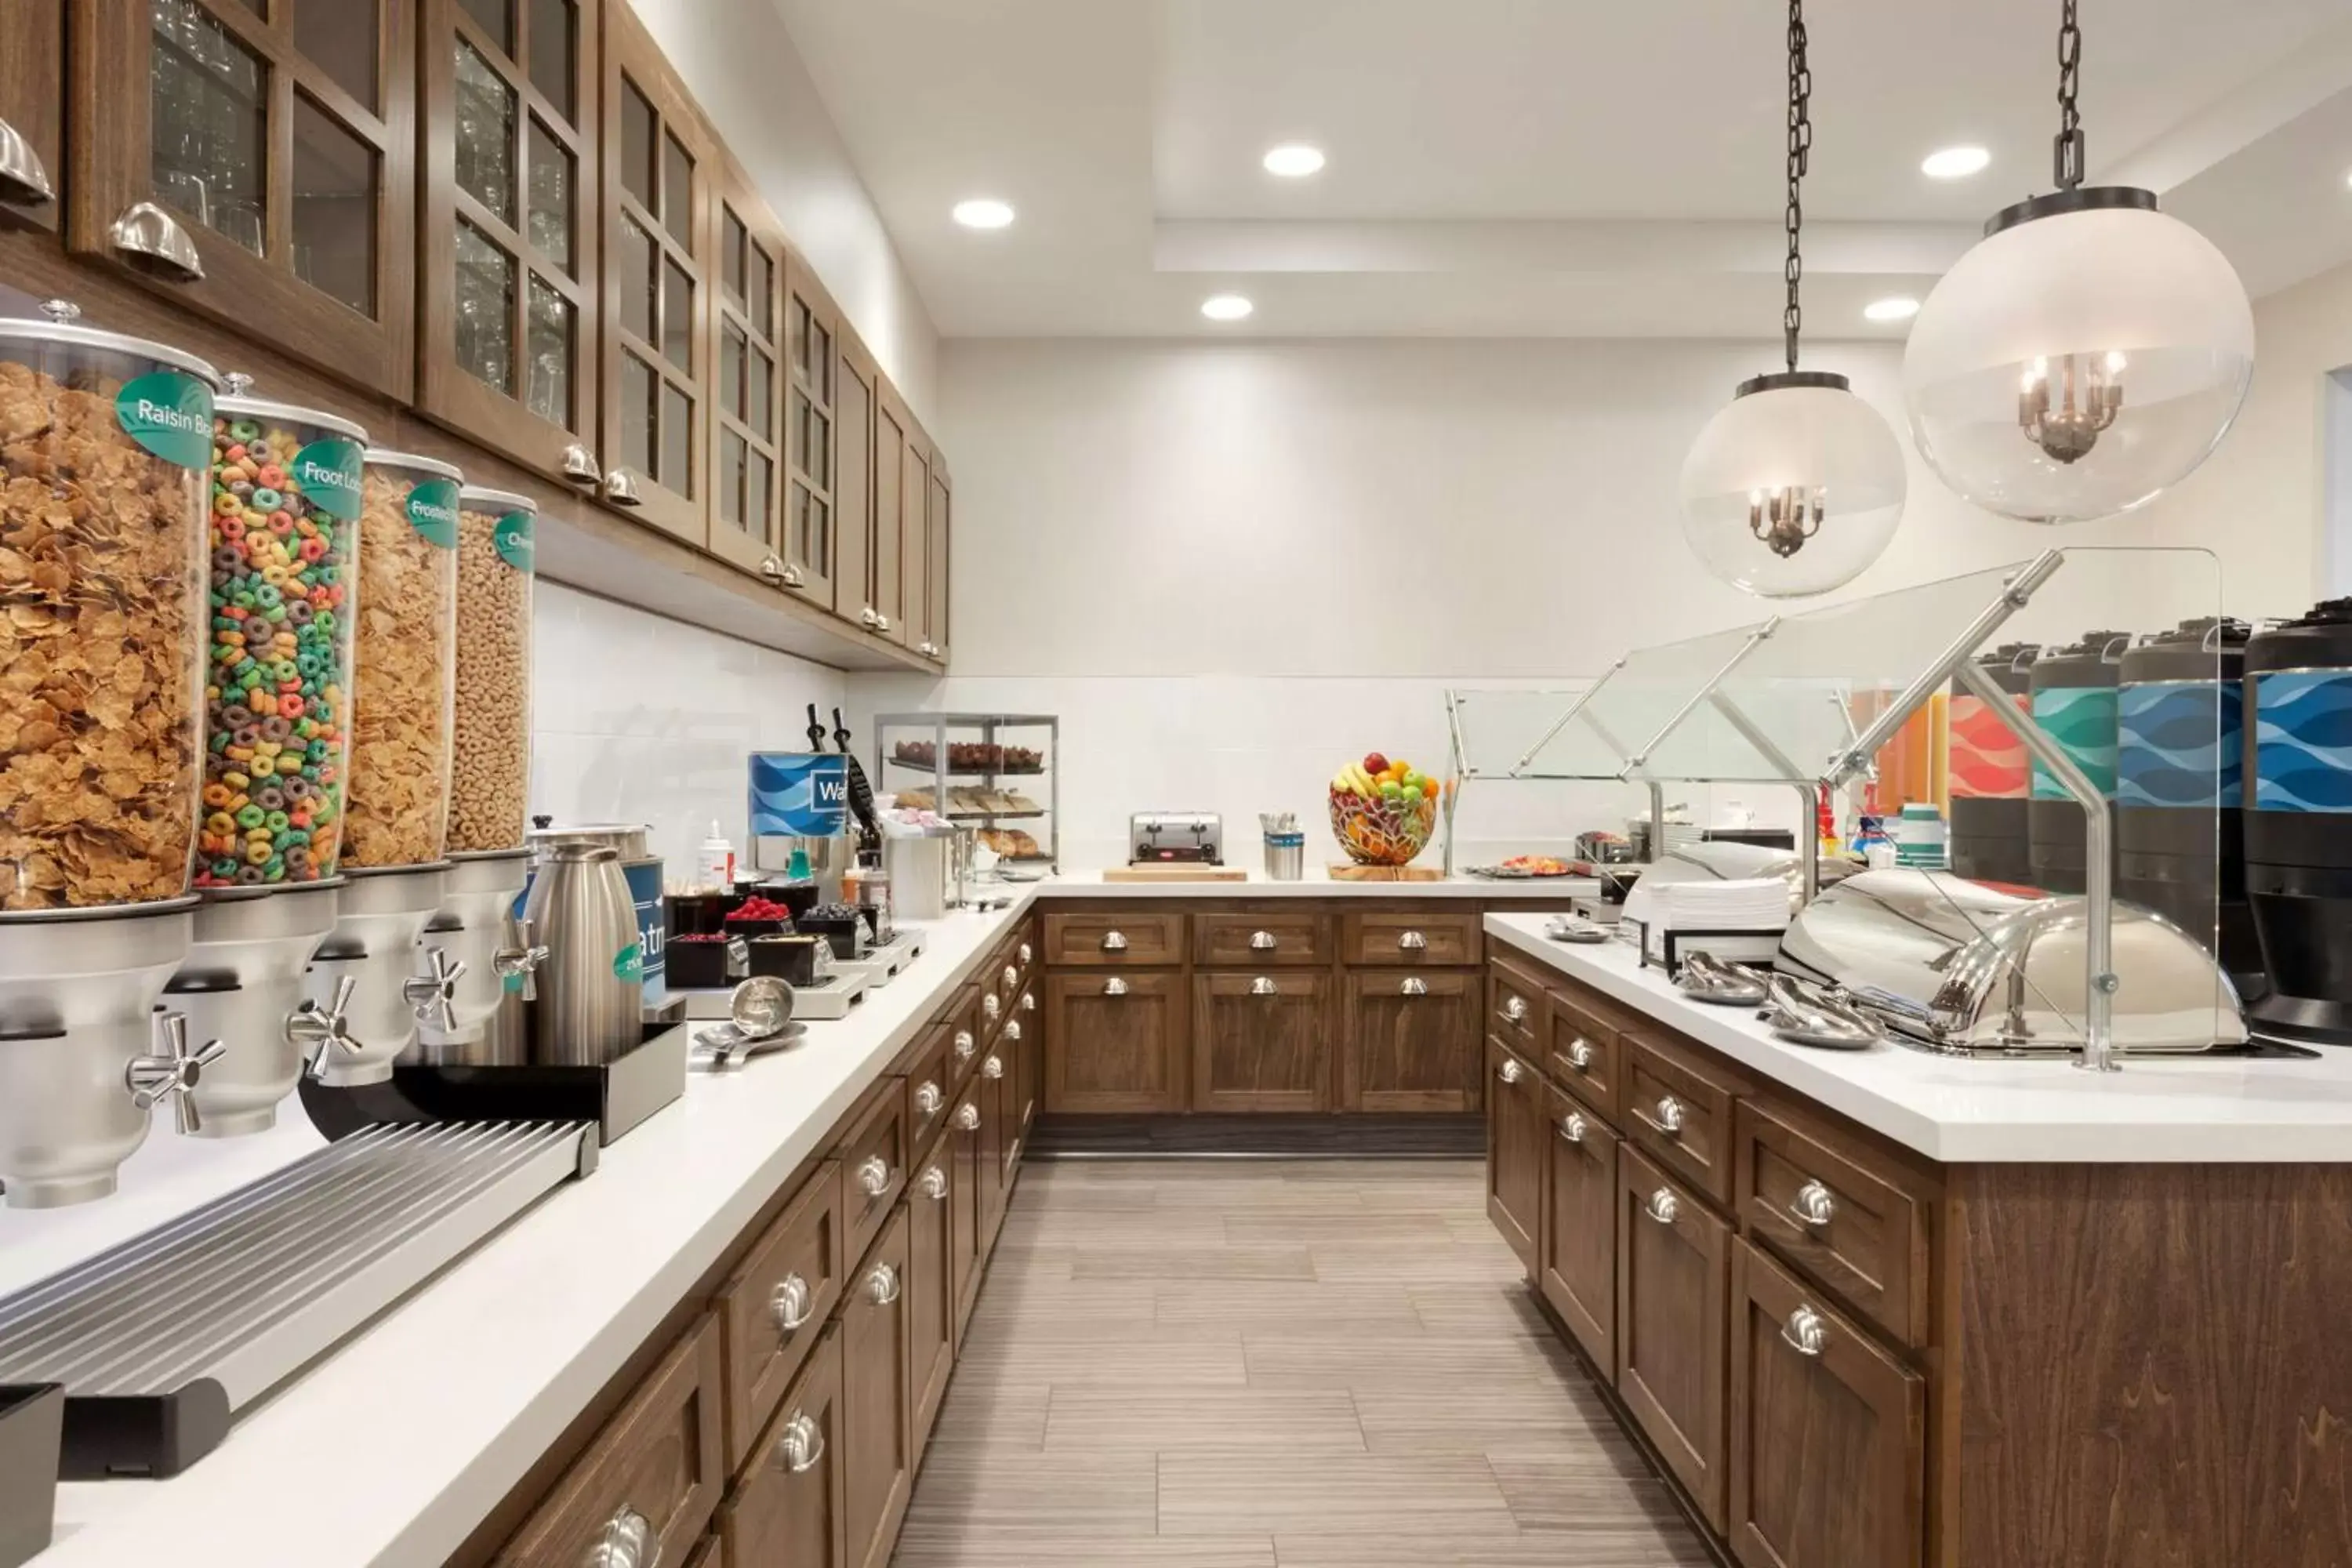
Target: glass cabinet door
811 504
508 292
254 159
32 111
746 390
660 161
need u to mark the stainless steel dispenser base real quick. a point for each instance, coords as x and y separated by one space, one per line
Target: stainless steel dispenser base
78 993
241 982
162 1341
373 944
475 924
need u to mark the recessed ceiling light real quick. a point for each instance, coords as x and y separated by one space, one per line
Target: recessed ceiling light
1954 162
1901 308
1294 160
1226 307
983 211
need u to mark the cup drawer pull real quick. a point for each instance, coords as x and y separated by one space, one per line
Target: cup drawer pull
1813 1206
1805 1333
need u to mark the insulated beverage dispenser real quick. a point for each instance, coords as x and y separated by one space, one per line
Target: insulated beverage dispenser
2073 690
1989 777
2298 820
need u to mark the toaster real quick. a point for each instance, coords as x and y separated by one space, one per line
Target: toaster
1175 838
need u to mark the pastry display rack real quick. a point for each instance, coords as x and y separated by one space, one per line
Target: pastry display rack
1000 774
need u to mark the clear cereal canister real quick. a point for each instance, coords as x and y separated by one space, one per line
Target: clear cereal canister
104 447
404 669
490 785
282 526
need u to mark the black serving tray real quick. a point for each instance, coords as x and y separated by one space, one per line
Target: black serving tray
617 1096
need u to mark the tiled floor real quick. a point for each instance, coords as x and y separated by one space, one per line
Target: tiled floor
1245 1366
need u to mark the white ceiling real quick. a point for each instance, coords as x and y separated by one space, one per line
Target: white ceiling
1542 167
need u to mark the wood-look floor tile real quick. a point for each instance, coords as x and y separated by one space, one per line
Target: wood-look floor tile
1372 1171
1171 1364
1499 1309
1339 1228
1599 1480
1435 1362
1315 1307
1270 1195
1014 1303
1489 1415
1085 1229
1222 1419
1193 1263
1089 1497
1328 1494
1625 1550
994 1413
969 1549
1422 1263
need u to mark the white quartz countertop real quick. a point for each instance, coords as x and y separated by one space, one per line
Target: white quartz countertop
1955 1109
1317 883
395 1446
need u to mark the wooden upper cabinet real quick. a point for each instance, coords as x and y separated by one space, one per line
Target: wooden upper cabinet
911 627
254 160
33 112
508 307
935 557
660 164
894 438
856 397
813 515
747 403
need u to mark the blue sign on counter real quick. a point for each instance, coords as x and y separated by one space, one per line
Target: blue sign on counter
799 794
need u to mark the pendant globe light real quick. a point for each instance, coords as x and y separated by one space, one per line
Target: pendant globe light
2089 353
1798 485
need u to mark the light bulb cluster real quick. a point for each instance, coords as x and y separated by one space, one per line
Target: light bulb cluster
2064 412
1783 518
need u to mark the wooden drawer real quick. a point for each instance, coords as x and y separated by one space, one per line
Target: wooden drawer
1439 937
878 1406
1514 1150
1677 1109
657 1460
1001 977
1584 1054
1577 1273
1673 1301
874 1159
705 1555
931 1082
1518 1012
791 1506
1261 940
771 1312
931 1283
1126 938
1843 1215
962 1022
1805 1384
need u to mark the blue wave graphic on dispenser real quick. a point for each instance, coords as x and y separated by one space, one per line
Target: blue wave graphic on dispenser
2180 743
2082 720
2302 740
799 794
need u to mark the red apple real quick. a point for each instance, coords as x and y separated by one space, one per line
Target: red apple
1375 763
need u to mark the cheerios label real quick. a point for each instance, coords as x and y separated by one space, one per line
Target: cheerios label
511 538
433 511
170 413
327 474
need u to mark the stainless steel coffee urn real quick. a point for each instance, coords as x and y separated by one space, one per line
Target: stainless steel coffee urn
590 1008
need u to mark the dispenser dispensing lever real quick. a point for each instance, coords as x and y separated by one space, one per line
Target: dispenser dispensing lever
317 1031
433 993
521 960
171 1072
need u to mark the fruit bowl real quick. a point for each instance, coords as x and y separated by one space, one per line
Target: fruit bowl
1383 815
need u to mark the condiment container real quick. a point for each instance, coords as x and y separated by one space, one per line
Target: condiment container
406 669
489 779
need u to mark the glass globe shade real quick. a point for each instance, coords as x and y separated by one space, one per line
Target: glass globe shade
1793 487
2073 365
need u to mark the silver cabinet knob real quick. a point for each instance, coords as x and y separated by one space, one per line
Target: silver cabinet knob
23 179
1579 1054
521 960
1511 1072
933 1183
1114 941
1572 1127
965 1044
800 1447
873 1175
928 649
1812 1206
790 1302
1026 953
992 1067
579 465
621 488
627 1540
1114 986
928 1099
171 1071
1028 1002
1806 1331
1263 986
867 618
1411 941
968 1119
992 1004
773 571
1412 986
319 1032
1013 1030
793 578
1669 1119
149 236
1515 1009
881 623
882 1285
1012 977
1262 941
1662 1207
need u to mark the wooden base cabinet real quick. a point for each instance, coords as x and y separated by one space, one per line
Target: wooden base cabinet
1260 1041
1578 1258
1114 1042
1827 1432
1412 1041
1673 1309
790 1505
931 1284
1514 1150
876 1346
966 1246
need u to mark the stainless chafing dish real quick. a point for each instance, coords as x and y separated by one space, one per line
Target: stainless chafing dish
1957 966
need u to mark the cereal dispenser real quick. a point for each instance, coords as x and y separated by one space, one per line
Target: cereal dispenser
489 783
372 983
104 444
282 520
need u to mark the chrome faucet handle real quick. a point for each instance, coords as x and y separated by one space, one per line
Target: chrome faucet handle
319 1031
432 995
521 960
168 1073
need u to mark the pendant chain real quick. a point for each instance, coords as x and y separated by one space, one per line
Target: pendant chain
1800 144
2067 152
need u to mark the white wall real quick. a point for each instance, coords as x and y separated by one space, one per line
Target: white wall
638 719
739 61
1300 545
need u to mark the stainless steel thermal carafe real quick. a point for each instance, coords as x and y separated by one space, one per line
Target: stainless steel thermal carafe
591 984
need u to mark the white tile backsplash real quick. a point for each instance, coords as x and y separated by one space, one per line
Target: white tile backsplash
637 718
